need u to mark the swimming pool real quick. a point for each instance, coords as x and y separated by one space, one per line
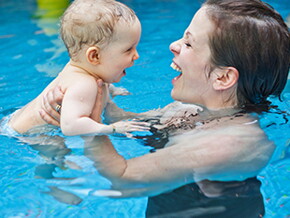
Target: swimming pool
32 55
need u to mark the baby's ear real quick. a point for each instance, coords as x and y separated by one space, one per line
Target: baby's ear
225 78
93 55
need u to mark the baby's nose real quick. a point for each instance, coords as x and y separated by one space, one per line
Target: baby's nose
136 56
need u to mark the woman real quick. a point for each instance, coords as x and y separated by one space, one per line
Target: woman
233 55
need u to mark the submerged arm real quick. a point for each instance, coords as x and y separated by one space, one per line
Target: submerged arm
190 158
113 113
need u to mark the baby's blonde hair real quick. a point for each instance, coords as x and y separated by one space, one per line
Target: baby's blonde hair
92 22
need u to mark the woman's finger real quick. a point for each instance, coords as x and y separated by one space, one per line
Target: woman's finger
57 96
48 107
144 124
129 135
99 98
98 109
138 128
48 119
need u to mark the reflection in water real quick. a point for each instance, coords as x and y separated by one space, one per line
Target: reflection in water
48 13
64 196
46 17
52 148
202 199
288 21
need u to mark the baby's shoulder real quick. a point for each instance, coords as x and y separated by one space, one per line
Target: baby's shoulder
77 80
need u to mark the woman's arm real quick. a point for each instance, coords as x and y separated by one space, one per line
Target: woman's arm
192 157
113 113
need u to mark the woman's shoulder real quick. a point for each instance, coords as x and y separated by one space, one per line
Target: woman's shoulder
240 129
236 125
231 146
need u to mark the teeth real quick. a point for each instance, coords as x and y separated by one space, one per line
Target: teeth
175 67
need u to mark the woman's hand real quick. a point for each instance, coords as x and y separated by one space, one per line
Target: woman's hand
51 106
52 100
114 91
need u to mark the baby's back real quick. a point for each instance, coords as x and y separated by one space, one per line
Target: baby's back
29 117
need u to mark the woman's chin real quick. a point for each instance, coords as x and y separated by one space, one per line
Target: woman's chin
175 96
178 96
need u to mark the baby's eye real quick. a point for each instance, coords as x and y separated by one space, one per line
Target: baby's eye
129 49
187 44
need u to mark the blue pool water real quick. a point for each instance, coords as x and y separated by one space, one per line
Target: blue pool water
32 54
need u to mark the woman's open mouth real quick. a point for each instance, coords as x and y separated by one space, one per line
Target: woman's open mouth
174 66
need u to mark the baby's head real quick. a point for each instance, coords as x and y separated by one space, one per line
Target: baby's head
92 23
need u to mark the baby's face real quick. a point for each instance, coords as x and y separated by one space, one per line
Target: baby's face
120 53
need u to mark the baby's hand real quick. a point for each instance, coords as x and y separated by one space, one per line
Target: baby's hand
125 127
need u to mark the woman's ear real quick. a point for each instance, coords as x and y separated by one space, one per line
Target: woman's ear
225 78
93 55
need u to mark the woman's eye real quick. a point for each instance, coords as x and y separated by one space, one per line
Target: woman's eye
187 44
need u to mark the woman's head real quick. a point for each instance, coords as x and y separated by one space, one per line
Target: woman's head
234 52
93 23
253 38
192 56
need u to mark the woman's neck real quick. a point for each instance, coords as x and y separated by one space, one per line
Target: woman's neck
222 112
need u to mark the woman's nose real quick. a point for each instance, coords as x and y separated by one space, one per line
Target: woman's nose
175 47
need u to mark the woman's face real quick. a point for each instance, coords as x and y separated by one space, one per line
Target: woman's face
191 58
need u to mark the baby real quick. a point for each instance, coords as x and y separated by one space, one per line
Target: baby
101 38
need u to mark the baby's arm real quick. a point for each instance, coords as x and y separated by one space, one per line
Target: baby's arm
77 106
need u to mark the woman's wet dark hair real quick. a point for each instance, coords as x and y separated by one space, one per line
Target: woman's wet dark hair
252 37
